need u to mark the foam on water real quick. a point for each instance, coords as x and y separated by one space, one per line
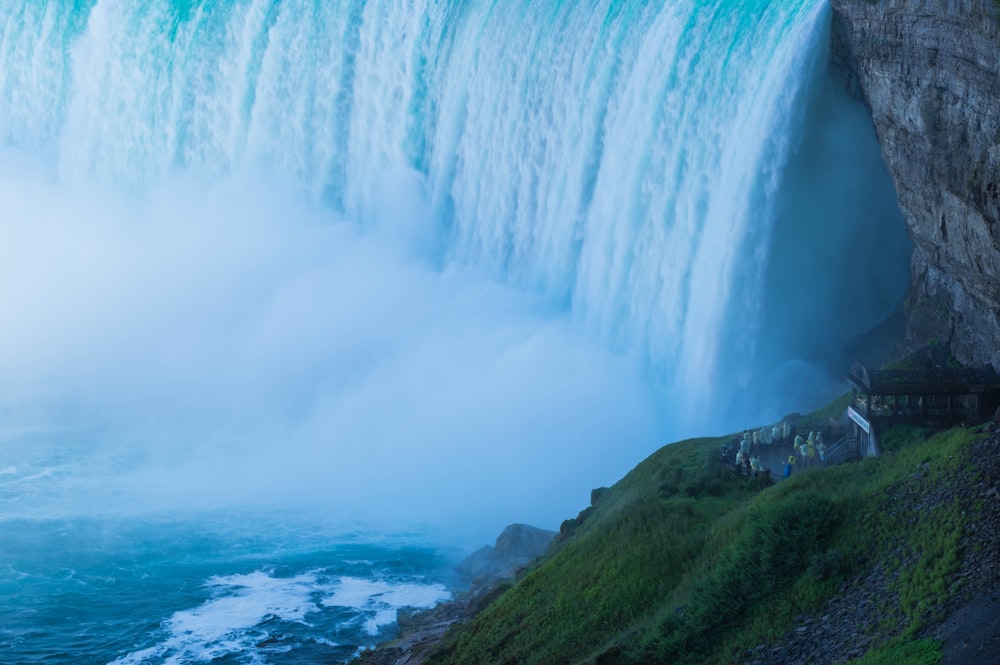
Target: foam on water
223 625
241 587
240 617
382 600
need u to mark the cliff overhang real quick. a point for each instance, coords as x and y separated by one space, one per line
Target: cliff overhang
930 74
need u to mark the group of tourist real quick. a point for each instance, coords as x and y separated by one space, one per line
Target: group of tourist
749 464
811 452
744 453
747 453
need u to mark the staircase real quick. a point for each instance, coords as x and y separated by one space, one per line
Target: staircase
847 449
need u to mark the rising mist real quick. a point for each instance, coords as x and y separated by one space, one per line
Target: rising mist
384 263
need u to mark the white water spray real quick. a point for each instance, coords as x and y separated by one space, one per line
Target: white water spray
391 254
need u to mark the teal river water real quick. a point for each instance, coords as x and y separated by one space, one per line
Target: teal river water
221 588
90 575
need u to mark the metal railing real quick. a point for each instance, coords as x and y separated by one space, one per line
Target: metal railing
849 447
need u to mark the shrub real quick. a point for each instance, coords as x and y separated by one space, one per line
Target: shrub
824 565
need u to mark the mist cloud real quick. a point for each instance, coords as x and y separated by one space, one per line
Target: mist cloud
238 347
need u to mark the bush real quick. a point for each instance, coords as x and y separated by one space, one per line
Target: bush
824 565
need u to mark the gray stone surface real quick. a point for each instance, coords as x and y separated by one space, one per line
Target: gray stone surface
516 547
929 70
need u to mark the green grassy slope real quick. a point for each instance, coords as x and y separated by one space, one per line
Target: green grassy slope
684 562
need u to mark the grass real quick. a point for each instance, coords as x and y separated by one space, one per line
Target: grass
684 562
919 652
770 546
917 526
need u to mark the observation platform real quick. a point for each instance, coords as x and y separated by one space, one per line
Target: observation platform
936 397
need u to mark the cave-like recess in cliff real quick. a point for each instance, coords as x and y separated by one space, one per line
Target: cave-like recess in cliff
840 253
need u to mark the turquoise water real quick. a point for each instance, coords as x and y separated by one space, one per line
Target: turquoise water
302 298
89 575
222 588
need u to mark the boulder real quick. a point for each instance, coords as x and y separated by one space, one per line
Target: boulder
516 547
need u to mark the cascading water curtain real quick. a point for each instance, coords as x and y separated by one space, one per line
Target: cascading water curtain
625 161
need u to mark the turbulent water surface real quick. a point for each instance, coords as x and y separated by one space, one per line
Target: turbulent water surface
204 590
301 298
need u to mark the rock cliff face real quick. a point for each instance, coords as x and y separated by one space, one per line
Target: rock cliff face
929 70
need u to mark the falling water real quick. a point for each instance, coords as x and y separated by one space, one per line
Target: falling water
392 266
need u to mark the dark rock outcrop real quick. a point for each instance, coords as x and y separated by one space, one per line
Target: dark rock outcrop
488 571
930 73
515 548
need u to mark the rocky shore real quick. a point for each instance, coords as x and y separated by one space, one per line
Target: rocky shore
420 632
487 571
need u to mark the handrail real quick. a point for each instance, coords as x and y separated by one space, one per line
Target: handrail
852 443
841 442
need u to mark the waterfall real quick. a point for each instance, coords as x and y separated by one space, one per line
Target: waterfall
304 208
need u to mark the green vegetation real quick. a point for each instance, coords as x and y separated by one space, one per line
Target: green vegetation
766 548
906 363
919 652
682 561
